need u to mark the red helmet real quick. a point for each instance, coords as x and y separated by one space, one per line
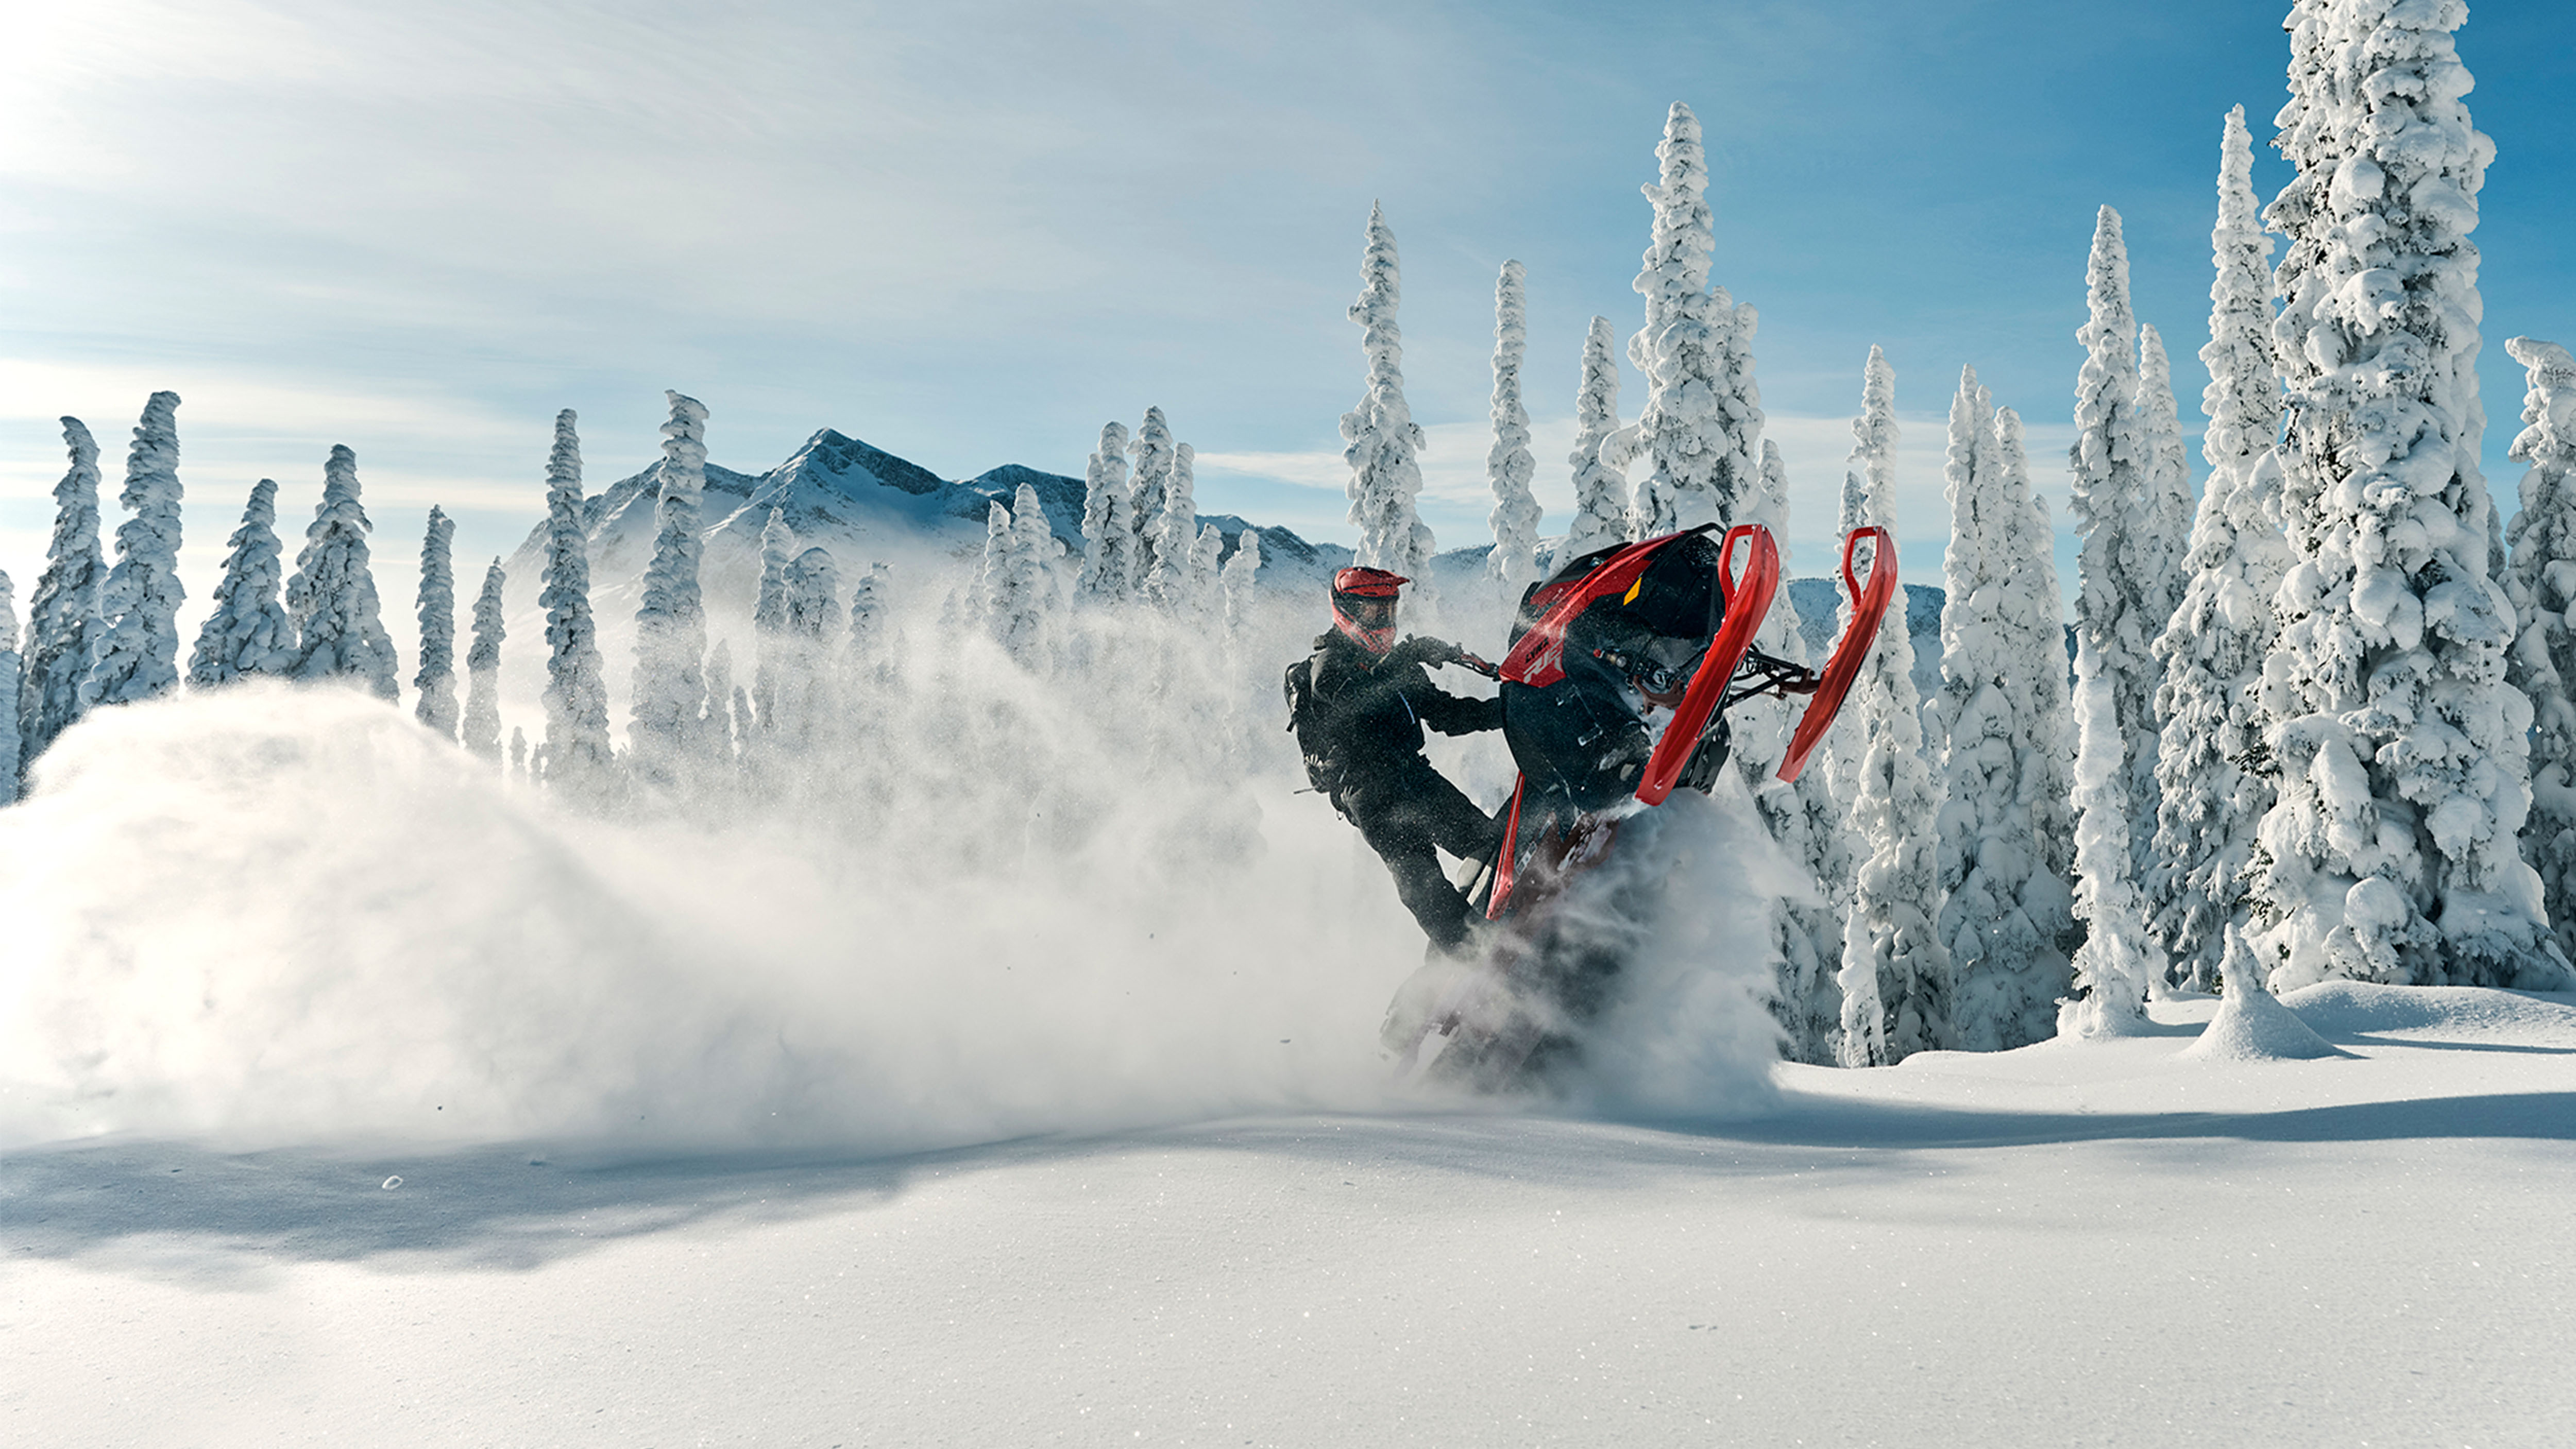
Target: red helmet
1364 607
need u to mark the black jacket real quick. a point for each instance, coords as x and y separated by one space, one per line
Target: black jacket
1359 719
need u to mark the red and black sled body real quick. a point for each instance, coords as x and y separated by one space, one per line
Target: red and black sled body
1615 691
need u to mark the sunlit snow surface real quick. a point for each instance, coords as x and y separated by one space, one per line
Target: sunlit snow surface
752 1136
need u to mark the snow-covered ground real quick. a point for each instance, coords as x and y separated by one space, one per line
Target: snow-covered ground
347 1092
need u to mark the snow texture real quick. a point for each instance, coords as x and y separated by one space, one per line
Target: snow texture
1380 440
578 762
2542 587
482 733
2402 752
666 717
64 627
1895 972
2212 786
436 679
1601 451
1153 451
11 666
137 657
1513 564
339 627
1702 425
2252 1025
248 633
2005 915
1108 524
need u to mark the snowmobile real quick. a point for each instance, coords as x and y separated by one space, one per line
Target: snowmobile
1622 666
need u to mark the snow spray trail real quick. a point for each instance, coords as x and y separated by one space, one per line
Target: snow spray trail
277 915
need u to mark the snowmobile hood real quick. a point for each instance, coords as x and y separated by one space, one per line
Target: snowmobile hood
1537 657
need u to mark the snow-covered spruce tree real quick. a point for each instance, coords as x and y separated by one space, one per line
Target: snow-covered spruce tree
2004 916
2048 776
1869 474
1207 559
722 738
1171 585
670 691
1153 450
2404 767
137 655
1108 527
2110 462
813 615
769 619
1241 581
339 628
2542 585
2211 784
2165 505
2113 970
1893 961
12 666
1702 425
63 625
482 735
1029 632
1379 436
436 679
1508 464
1802 817
576 751
248 633
1601 452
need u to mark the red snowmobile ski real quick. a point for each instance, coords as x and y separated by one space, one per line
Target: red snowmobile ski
1615 691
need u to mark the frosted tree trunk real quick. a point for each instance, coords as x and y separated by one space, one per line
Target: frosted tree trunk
1601 452
1893 962
1108 522
64 628
1513 564
137 655
665 719
2004 915
248 633
339 626
2542 586
577 754
482 734
1379 436
2210 794
1702 426
2404 767
436 679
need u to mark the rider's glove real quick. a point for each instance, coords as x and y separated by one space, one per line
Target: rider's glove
1429 652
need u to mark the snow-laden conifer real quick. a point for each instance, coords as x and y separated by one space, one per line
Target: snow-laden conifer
2542 586
1895 973
804 700
482 731
436 679
518 755
1242 581
1207 558
723 740
1172 585
1016 584
2112 461
2165 506
1601 451
670 691
2048 776
64 629
1379 436
1508 464
12 665
248 633
2004 915
2404 766
1108 525
769 618
2113 968
1153 450
339 626
137 655
1702 425
1034 550
577 752
2211 790
1869 473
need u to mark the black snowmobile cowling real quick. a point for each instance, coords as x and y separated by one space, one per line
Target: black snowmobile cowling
1610 641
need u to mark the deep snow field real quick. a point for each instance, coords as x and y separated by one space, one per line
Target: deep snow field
351 1096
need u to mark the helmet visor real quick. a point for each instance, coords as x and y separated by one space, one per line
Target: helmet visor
1367 613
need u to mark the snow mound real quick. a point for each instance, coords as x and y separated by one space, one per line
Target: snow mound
2344 1010
2253 1026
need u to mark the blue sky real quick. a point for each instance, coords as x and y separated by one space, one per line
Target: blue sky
973 232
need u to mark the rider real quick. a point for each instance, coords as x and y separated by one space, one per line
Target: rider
1358 707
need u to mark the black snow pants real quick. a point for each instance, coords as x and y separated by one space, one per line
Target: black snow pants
1403 817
